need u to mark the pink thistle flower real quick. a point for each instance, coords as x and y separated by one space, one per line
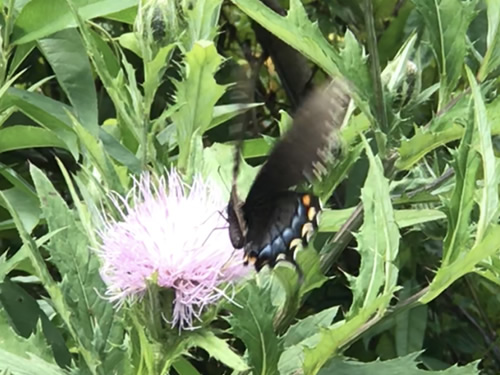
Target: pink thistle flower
172 235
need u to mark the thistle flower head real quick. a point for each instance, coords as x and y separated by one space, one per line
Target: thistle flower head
171 235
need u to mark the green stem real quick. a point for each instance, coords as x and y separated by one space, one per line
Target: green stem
377 82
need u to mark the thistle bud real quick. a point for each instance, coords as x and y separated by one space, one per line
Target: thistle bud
158 24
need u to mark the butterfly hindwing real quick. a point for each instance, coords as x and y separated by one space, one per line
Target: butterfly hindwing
273 220
276 231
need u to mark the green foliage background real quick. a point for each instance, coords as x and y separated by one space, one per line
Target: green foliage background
404 274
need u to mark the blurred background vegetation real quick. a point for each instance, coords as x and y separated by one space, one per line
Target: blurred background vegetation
95 96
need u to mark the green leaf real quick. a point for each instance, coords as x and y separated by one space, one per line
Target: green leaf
255 148
447 22
13 346
21 308
410 324
47 112
337 173
20 137
219 349
17 364
378 239
24 313
184 367
424 141
226 112
442 130
40 18
332 220
202 17
488 204
199 92
309 326
252 322
309 262
461 203
154 71
311 42
315 353
354 67
26 206
119 152
126 15
91 317
218 166
99 157
68 58
407 365
491 59
20 54
450 272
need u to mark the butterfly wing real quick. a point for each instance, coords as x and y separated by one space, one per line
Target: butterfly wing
308 144
274 220
275 231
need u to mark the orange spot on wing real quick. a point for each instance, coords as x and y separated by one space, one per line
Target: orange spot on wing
306 200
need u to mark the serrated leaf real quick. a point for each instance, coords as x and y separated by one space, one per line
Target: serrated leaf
447 22
311 43
331 341
199 92
325 188
17 364
353 65
202 17
447 274
407 365
378 239
310 263
252 322
14 346
488 204
424 141
219 349
79 267
461 203
442 130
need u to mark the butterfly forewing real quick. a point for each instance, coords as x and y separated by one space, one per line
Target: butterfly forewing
311 140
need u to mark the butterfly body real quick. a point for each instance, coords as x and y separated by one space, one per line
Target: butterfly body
273 220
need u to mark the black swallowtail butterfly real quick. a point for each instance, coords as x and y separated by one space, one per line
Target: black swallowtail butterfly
273 220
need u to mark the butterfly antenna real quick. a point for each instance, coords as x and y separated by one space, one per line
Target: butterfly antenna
223 180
